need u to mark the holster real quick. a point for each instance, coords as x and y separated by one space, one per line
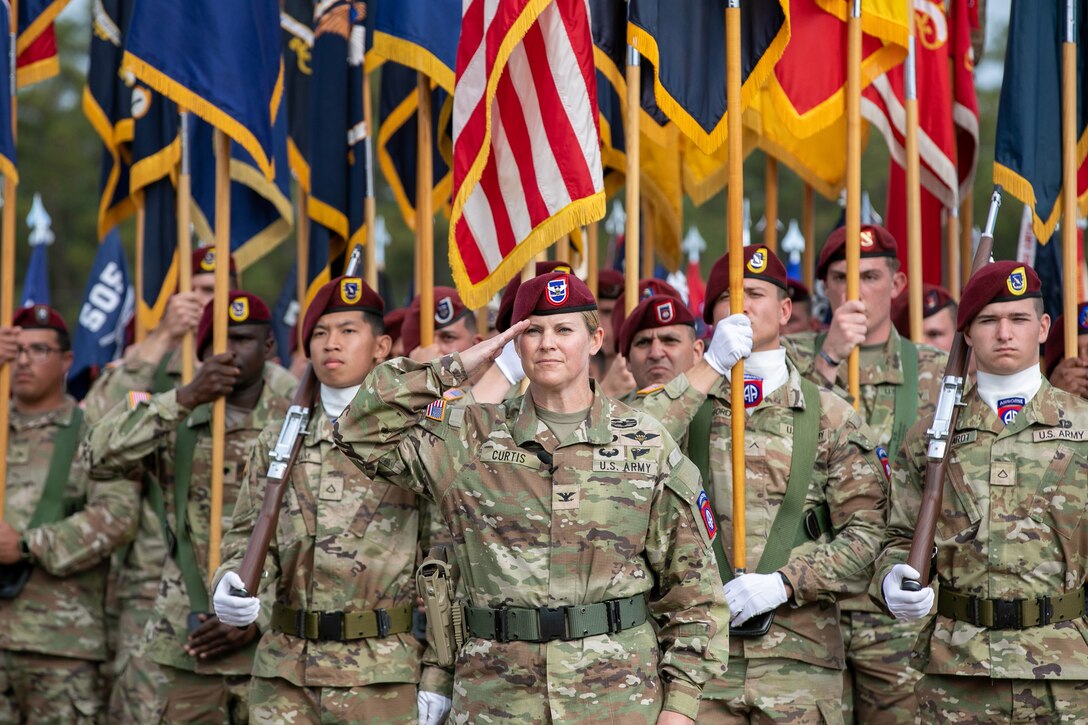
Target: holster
435 584
13 577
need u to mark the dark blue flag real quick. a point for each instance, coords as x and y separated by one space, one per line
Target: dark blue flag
285 317
220 60
1028 148
7 136
296 21
36 282
108 303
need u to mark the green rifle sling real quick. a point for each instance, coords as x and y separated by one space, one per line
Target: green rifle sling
51 506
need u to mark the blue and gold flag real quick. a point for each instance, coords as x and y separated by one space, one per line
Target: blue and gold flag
1028 148
296 21
7 133
107 103
220 60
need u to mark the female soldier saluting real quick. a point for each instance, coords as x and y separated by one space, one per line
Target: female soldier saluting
575 520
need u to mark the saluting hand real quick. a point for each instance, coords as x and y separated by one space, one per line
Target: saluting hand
215 378
483 353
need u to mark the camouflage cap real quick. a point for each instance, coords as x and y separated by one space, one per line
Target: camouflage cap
39 317
759 263
340 295
1004 281
876 241
551 294
653 312
244 308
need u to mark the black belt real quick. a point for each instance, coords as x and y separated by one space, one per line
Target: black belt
1010 613
544 624
341 626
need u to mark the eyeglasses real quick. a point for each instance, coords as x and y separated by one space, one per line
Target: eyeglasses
37 353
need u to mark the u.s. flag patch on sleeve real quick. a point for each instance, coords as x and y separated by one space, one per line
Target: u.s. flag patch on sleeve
437 409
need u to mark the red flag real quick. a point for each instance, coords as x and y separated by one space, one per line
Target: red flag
526 146
965 102
895 220
696 289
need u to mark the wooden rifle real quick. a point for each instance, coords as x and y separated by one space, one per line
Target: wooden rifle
943 426
283 455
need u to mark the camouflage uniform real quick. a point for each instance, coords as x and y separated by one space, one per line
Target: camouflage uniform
879 681
141 441
343 543
1011 527
584 532
53 635
793 673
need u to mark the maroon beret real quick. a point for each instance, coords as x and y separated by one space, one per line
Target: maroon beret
934 299
245 308
394 321
610 283
1005 281
39 317
506 302
648 287
203 261
448 309
651 313
876 241
759 263
1055 343
551 294
797 291
340 295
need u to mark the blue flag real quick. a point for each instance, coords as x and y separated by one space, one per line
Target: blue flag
108 303
36 283
220 60
296 20
7 136
285 316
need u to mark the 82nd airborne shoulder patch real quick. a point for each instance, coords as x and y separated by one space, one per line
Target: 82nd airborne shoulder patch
706 512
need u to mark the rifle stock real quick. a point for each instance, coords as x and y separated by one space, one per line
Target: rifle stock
288 444
945 416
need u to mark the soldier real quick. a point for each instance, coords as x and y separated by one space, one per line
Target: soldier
801 442
1069 374
619 383
339 575
58 531
900 382
658 341
938 316
576 520
190 666
801 319
454 324
393 321
1008 642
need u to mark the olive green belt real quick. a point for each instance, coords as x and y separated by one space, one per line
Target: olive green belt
341 626
544 624
1010 613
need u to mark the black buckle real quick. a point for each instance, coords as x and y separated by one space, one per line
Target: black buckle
553 623
330 626
612 610
974 613
499 617
812 525
1046 610
384 622
1008 614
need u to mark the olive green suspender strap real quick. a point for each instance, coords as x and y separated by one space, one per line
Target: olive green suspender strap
51 506
178 539
786 530
906 394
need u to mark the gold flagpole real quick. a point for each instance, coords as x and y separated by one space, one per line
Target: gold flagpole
592 239
734 225
1070 273
808 228
770 204
369 204
424 213
631 134
302 250
185 249
649 240
952 250
967 224
914 188
219 338
7 265
141 217
853 180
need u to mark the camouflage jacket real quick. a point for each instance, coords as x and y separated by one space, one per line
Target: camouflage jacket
60 612
615 516
880 375
143 440
848 478
1011 527
343 543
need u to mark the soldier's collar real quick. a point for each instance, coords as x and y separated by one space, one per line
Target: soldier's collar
61 415
888 367
594 430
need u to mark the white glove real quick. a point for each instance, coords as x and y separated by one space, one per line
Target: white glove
732 341
510 363
906 605
432 707
233 610
752 594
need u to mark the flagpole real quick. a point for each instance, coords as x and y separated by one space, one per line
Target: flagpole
770 204
424 213
219 337
592 240
1070 273
649 240
914 188
853 181
808 228
7 268
631 200
185 250
563 249
369 204
734 225
952 250
141 221
302 250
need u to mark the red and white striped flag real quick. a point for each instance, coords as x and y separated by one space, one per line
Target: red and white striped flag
526 146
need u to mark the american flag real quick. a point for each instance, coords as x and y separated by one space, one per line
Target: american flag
526 146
